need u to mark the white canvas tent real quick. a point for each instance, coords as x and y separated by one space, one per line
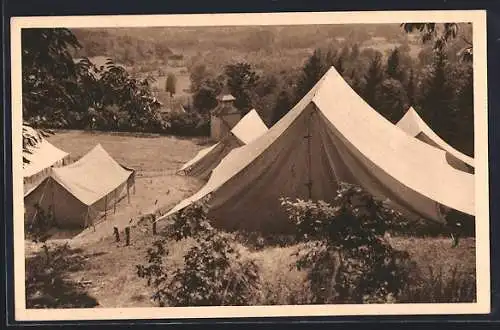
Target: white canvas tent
414 126
76 194
41 158
246 130
330 136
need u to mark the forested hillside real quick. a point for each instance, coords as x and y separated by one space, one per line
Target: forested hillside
267 68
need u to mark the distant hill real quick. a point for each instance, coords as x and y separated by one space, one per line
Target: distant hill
122 48
136 45
271 49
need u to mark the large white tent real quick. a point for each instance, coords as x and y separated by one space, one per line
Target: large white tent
41 158
245 131
332 135
416 127
76 194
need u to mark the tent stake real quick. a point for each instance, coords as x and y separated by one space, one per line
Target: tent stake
154 224
127 236
116 233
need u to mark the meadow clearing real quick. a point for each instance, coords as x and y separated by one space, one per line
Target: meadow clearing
103 271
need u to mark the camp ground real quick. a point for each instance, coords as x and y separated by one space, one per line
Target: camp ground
320 164
76 194
245 131
322 141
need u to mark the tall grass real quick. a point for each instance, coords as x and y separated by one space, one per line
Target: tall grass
440 286
432 280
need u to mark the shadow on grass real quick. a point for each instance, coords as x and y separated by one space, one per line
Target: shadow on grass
47 284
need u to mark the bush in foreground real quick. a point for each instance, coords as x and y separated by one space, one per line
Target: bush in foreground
348 259
214 272
47 284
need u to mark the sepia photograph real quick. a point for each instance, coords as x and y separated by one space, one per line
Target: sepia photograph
250 165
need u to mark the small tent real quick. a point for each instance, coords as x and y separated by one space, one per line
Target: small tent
76 194
248 129
414 126
41 158
332 135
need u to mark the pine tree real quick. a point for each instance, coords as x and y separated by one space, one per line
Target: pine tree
354 53
391 99
329 60
345 52
283 105
373 78
410 88
339 64
465 114
311 73
354 81
437 98
393 65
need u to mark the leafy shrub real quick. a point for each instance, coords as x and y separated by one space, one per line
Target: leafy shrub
349 260
214 272
457 224
187 124
190 222
39 229
47 285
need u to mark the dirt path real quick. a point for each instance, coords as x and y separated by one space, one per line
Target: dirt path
152 195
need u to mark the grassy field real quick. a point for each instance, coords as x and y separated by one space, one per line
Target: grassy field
104 272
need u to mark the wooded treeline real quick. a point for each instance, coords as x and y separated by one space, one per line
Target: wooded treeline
439 86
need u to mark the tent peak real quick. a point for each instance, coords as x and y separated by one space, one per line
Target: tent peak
412 124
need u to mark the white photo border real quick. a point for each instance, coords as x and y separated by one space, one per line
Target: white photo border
478 20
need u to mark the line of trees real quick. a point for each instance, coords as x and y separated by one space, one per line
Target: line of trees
438 86
57 92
